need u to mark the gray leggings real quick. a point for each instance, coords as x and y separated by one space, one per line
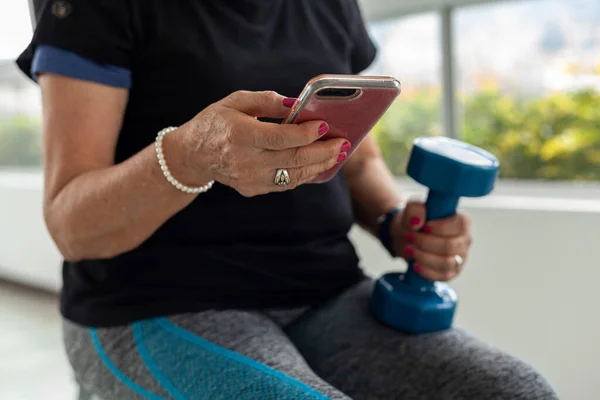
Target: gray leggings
335 351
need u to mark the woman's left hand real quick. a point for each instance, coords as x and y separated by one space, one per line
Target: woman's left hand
435 245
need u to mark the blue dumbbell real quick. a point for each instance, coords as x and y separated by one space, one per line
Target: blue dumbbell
450 169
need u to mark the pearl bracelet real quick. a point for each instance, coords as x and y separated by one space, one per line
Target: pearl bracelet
165 170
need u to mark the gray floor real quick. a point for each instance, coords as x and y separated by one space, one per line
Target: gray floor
32 361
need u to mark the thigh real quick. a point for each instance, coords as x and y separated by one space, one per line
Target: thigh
210 355
348 348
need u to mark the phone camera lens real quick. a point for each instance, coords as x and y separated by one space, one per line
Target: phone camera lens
337 93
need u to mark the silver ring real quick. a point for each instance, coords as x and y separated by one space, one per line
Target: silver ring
282 178
459 261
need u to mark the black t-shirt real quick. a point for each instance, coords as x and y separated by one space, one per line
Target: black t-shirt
223 250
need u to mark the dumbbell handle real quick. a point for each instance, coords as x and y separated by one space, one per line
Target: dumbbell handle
438 205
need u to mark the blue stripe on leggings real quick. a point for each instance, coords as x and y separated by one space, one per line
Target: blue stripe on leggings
205 344
151 365
120 376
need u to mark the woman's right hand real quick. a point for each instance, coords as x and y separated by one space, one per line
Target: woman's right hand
226 143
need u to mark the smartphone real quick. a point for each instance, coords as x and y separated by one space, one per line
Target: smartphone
350 104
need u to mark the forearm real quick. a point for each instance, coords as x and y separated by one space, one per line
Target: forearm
108 211
373 188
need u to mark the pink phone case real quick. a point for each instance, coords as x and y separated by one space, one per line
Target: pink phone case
349 118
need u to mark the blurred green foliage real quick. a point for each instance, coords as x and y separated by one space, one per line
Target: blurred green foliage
411 116
555 137
20 141
552 137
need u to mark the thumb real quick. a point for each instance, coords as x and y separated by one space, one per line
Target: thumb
414 216
267 104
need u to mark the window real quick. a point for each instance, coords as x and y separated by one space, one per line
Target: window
20 105
409 49
529 85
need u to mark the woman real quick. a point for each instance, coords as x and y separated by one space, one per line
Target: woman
175 288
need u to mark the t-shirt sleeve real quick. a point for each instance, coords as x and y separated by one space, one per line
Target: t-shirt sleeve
364 50
99 31
65 63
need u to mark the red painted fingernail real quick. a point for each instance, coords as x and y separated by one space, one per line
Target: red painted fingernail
289 102
409 251
345 147
410 237
342 157
414 221
418 268
323 129
427 229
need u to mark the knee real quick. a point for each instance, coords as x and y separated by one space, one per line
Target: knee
507 378
523 384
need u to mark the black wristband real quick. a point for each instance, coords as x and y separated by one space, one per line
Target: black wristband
385 233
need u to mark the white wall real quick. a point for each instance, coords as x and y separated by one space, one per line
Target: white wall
529 285
27 253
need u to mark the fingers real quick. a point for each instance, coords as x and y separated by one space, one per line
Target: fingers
266 135
442 246
261 182
269 136
456 225
414 216
300 176
433 266
437 275
314 153
259 104
447 227
434 245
